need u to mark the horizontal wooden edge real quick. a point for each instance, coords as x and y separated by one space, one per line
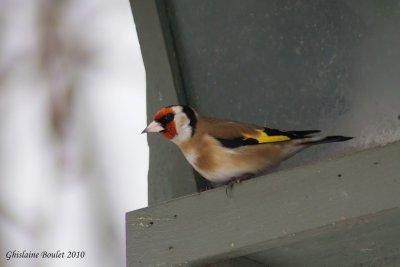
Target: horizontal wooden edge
212 226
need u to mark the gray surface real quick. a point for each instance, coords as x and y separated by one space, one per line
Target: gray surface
238 262
169 174
329 65
317 203
368 241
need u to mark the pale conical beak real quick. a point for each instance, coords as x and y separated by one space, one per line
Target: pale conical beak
154 127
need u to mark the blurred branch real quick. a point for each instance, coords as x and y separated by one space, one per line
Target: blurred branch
52 66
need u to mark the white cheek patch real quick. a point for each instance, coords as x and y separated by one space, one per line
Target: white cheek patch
181 120
183 130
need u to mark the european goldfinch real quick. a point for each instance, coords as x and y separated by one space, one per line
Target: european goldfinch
225 151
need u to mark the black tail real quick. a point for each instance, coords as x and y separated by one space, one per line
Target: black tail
329 139
303 134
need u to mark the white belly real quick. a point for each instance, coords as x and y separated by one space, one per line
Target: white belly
223 175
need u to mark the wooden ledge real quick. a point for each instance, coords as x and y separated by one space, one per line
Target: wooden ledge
360 192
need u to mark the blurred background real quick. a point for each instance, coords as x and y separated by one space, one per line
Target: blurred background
72 106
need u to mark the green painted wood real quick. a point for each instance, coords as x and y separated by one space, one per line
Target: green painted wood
237 262
170 178
267 212
371 240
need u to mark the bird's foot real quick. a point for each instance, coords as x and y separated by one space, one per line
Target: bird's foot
236 180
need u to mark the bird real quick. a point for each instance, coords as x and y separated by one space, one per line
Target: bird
226 151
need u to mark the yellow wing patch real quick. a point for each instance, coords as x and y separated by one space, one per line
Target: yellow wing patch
263 137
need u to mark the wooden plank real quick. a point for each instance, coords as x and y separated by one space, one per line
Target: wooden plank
237 262
165 181
371 240
262 212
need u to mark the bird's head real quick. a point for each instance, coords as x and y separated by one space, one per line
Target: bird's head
177 123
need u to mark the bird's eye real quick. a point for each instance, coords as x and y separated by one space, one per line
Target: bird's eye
167 118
